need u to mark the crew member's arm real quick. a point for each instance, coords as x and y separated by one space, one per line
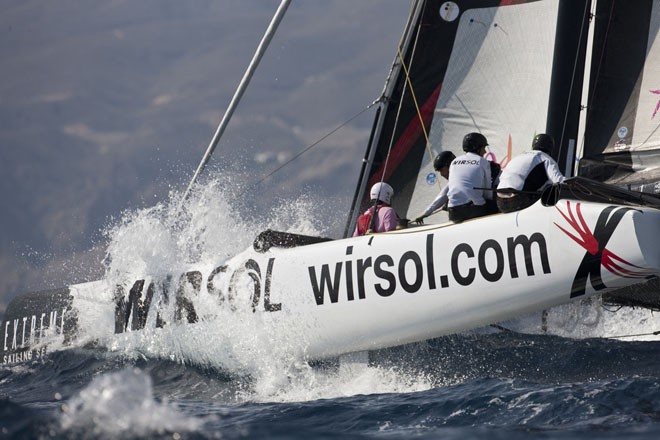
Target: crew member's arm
439 202
552 169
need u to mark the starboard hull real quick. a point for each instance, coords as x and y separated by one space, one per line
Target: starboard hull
370 292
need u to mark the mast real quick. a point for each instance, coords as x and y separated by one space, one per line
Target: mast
571 164
567 79
379 120
261 49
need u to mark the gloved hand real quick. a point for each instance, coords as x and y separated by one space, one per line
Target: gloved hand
419 220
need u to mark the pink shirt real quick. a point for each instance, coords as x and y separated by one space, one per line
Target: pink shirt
386 220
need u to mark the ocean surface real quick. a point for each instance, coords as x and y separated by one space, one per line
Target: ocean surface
498 385
209 382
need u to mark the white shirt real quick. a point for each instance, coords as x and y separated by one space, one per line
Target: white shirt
530 171
466 173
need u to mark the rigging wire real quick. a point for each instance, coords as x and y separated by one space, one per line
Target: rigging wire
309 147
238 94
403 94
573 75
372 223
412 93
419 113
601 59
384 100
383 94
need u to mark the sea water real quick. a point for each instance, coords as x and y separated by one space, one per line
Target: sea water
224 378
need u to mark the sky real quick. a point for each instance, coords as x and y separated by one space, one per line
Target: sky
108 106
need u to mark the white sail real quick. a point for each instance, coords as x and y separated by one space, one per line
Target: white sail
647 120
497 83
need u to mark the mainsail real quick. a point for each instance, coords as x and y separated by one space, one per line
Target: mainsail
497 67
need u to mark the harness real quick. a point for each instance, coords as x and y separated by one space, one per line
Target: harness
364 220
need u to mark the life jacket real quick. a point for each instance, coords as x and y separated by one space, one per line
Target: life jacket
364 220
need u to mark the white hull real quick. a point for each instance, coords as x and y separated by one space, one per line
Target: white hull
388 289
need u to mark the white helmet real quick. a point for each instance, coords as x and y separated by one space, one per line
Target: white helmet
383 192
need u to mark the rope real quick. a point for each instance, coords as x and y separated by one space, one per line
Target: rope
570 90
383 98
359 114
372 223
387 159
403 94
414 97
412 93
601 58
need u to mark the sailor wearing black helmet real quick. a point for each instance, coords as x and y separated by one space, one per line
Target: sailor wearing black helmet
441 165
470 180
526 175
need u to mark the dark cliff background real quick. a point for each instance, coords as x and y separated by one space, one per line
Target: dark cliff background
107 106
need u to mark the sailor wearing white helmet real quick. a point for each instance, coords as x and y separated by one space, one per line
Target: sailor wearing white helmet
386 218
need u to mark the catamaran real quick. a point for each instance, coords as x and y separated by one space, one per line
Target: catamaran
585 72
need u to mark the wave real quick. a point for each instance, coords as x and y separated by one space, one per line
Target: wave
450 387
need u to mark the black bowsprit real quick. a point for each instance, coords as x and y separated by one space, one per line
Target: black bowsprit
270 238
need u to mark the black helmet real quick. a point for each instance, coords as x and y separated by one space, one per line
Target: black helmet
472 142
543 142
443 159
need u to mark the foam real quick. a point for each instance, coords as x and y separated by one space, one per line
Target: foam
122 403
161 240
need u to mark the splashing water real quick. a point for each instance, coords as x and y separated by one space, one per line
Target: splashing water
160 241
265 353
121 403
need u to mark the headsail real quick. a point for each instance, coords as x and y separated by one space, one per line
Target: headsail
622 133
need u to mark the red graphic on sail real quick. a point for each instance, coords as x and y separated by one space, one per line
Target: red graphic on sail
657 107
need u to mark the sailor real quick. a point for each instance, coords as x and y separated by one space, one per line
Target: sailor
524 178
495 171
470 181
386 218
441 165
